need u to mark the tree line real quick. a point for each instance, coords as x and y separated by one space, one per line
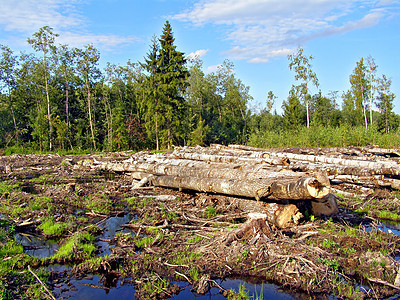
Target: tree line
57 99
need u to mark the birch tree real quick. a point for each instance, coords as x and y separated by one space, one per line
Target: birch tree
43 41
8 64
385 101
360 90
371 69
301 65
87 67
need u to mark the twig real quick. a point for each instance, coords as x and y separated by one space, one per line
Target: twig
171 265
220 287
38 279
95 286
184 276
376 280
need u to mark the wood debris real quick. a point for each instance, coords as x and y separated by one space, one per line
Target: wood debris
270 175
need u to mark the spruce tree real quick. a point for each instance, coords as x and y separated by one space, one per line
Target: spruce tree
150 104
173 75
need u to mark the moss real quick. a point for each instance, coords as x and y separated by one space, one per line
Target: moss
50 228
210 212
78 246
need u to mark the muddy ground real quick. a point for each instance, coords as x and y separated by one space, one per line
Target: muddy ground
181 236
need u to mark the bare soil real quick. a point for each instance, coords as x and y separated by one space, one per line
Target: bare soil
196 237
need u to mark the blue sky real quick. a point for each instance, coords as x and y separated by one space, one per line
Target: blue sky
256 35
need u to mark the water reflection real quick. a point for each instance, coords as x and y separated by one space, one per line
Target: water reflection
262 290
385 226
37 246
111 226
92 289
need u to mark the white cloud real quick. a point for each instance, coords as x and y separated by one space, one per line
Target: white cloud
197 54
213 68
108 42
24 17
261 29
28 15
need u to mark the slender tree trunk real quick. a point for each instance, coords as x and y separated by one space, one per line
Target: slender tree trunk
169 135
12 113
365 115
90 114
48 103
157 143
308 113
66 101
387 119
107 121
370 98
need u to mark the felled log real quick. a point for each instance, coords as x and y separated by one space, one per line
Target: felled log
235 175
372 181
303 188
192 168
231 158
274 185
366 165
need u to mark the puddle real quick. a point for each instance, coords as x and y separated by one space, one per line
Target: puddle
111 226
386 226
58 268
37 246
91 289
262 290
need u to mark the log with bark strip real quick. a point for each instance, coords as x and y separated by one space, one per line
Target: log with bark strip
252 181
243 174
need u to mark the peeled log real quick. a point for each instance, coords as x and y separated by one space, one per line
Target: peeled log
229 158
304 188
249 181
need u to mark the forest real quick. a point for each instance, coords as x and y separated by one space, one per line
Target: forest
57 99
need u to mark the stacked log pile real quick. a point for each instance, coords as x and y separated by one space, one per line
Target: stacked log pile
358 167
270 175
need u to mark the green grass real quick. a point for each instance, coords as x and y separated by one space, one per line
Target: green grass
78 246
195 239
388 215
145 241
210 212
153 285
184 258
51 228
98 203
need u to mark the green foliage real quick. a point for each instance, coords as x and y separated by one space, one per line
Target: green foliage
57 99
319 136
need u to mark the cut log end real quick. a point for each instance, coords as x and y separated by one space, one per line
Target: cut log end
326 206
316 189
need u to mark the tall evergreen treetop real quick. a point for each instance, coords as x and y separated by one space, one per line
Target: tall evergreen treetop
173 75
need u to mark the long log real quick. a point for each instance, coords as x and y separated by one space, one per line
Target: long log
203 177
373 181
224 158
190 168
304 188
